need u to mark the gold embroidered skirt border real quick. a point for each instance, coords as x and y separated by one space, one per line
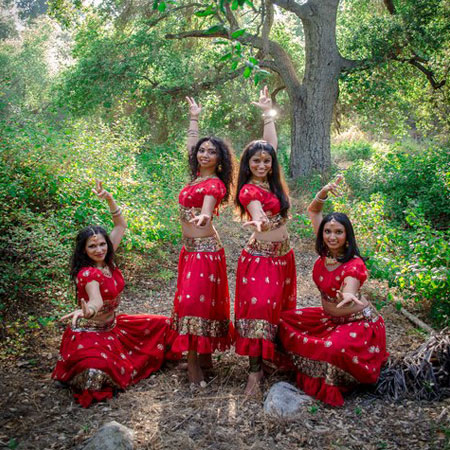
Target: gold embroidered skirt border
333 376
92 325
186 214
93 379
256 329
268 249
202 244
369 313
199 326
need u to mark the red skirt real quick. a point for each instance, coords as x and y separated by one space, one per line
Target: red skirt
201 309
94 361
333 354
266 284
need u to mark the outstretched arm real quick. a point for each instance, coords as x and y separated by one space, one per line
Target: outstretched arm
259 217
268 113
315 207
204 218
192 133
120 223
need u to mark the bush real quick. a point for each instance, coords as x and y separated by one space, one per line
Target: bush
352 151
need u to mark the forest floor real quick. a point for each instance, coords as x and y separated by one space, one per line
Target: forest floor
165 414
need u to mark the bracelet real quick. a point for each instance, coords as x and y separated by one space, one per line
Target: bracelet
193 119
116 213
266 122
320 200
193 133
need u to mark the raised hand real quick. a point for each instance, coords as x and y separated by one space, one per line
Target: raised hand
333 187
265 102
347 299
194 109
100 192
85 312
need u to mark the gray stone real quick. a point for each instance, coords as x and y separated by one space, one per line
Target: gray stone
284 400
111 436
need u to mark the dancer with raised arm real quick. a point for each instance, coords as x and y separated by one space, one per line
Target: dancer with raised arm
343 342
100 351
266 274
201 311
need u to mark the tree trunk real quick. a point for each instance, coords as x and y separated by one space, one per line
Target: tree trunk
313 103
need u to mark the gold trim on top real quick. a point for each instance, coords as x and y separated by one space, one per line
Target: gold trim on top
268 249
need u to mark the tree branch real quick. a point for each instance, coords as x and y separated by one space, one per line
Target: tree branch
163 16
303 11
414 61
390 6
267 24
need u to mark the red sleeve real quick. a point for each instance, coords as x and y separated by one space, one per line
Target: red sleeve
215 188
249 193
87 274
357 269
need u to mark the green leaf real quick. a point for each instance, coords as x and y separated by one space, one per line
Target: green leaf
162 7
214 29
234 65
253 60
155 4
238 33
249 3
247 72
226 57
209 11
234 5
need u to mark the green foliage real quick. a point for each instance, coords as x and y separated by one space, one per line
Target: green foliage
396 200
415 182
352 151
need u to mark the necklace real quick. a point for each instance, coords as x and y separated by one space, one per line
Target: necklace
331 260
106 271
262 184
201 179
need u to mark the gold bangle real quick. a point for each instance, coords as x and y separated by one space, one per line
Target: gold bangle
320 200
116 211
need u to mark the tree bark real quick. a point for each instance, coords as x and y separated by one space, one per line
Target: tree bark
313 102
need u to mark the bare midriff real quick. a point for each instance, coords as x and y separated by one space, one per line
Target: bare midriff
191 231
277 235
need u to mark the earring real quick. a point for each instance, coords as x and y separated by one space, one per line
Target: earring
270 172
219 168
346 244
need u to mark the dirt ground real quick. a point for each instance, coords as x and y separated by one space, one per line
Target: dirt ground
165 414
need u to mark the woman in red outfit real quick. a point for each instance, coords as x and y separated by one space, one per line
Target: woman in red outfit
343 342
101 351
266 274
201 311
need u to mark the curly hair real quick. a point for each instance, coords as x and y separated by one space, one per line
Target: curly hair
274 177
225 162
351 249
80 258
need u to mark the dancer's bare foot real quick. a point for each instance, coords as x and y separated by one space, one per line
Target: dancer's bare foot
253 387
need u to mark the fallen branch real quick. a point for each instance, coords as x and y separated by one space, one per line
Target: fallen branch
416 321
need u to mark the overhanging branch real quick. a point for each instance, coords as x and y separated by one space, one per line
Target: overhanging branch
303 11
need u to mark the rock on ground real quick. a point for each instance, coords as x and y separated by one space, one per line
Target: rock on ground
285 400
111 436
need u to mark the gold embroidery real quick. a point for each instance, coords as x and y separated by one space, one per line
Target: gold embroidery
198 326
274 222
369 313
332 375
92 325
199 180
268 249
93 379
186 214
202 244
256 329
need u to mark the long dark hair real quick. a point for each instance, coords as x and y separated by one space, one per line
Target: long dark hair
351 248
274 177
225 162
80 258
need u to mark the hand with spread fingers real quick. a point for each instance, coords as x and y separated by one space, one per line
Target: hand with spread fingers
86 312
257 224
347 299
265 102
333 187
201 221
100 192
194 108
